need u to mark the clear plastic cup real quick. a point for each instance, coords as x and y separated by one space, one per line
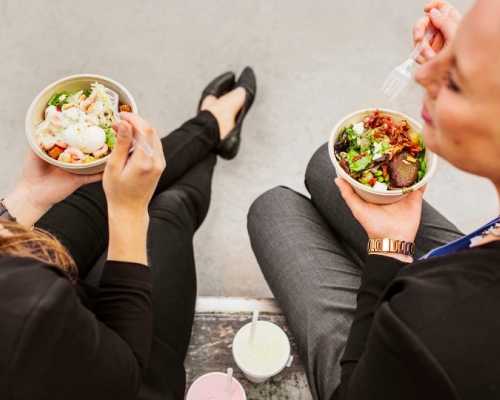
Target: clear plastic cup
213 386
266 355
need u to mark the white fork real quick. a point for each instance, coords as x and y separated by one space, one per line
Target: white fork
138 142
400 77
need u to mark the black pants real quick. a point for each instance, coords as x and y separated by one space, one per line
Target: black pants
177 210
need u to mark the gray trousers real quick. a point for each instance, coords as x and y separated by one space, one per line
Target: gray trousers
310 252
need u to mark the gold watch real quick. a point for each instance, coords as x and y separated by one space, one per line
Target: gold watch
391 246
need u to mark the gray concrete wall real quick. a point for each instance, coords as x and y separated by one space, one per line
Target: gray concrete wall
315 60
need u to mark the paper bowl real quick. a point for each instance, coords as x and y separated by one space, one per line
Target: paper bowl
365 192
36 111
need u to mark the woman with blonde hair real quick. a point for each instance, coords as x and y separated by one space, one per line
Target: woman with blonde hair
393 323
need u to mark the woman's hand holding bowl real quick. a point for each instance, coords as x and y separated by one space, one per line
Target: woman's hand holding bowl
398 221
40 186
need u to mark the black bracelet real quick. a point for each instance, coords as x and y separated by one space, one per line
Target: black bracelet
4 213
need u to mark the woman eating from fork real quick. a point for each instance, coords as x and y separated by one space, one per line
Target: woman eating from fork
126 339
391 324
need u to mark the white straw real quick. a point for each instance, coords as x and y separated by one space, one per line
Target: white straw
253 328
229 383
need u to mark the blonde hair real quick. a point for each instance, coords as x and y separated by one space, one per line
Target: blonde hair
18 241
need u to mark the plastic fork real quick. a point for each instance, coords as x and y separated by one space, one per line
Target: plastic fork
138 141
400 77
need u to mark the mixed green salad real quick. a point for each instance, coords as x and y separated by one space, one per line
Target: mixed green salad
382 153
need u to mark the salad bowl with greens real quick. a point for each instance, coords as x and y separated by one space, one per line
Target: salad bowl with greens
69 124
381 153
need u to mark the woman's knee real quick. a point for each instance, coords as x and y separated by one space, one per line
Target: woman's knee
173 206
266 207
320 171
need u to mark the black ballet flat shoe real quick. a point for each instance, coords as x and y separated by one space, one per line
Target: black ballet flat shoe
228 148
218 87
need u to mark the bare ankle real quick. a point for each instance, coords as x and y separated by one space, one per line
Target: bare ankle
225 109
207 102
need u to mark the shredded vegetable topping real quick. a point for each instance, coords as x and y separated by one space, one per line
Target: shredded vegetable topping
382 153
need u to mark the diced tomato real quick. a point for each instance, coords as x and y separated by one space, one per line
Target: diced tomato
55 152
125 108
414 149
372 181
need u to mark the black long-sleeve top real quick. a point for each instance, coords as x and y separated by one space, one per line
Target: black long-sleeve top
426 330
57 342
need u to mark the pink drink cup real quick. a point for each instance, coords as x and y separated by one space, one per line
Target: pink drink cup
212 386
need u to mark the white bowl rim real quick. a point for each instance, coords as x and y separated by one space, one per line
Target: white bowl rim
258 376
29 130
389 193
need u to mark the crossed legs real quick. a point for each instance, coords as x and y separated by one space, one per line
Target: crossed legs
179 207
311 252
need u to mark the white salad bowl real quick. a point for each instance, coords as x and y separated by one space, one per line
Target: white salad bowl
366 192
36 114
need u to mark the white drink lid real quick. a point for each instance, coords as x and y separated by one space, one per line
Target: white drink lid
266 355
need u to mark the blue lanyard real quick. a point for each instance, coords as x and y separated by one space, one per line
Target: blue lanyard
461 243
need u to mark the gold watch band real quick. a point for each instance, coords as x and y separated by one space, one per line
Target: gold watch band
391 246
